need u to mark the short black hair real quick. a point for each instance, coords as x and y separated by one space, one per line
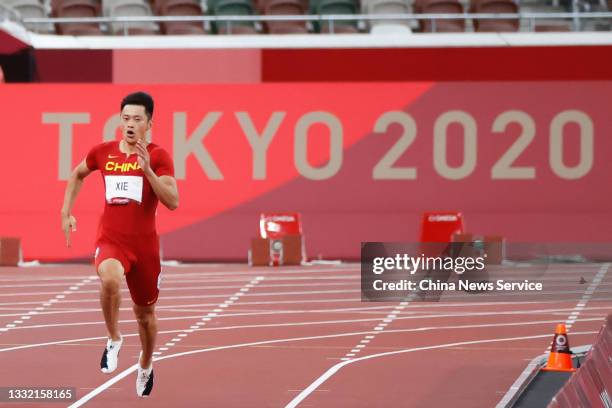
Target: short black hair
139 98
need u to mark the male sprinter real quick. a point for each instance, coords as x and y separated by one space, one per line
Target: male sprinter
137 175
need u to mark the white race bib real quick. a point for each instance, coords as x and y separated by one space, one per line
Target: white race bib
120 188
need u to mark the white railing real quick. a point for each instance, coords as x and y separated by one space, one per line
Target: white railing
575 17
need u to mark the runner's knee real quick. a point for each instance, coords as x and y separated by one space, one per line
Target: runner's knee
145 315
110 272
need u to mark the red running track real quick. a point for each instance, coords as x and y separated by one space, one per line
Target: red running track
233 336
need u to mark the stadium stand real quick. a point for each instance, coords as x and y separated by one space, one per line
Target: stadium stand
232 8
441 7
77 8
130 8
180 8
585 18
31 9
387 7
287 8
338 7
495 6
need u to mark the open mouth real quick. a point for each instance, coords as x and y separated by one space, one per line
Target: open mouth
130 133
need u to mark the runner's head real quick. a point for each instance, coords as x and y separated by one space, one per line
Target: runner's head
136 114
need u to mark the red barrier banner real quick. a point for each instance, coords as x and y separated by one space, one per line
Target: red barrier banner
360 162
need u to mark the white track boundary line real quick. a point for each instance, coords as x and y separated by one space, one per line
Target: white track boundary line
344 267
223 295
353 282
581 305
516 386
333 370
285 312
39 310
447 298
314 385
279 272
588 293
241 269
418 329
222 307
380 327
189 309
414 305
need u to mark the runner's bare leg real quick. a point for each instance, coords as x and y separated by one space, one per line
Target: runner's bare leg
147 328
111 272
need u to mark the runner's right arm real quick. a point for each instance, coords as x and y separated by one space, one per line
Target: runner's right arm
72 191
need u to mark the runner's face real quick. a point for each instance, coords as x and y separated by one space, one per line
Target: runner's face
134 123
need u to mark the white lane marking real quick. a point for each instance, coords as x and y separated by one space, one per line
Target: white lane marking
197 326
580 306
424 316
343 281
333 370
356 289
37 310
601 273
181 333
240 293
313 386
243 271
189 308
298 301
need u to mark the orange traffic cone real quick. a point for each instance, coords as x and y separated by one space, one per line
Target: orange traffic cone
560 358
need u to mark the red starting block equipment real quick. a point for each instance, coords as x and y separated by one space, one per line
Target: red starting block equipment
440 226
280 242
437 231
10 251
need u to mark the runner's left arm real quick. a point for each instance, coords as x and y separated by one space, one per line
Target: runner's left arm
165 189
163 185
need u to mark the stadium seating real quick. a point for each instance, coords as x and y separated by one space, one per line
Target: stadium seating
387 7
137 8
232 8
156 5
541 28
180 8
285 7
323 7
130 8
442 7
77 8
30 9
495 6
